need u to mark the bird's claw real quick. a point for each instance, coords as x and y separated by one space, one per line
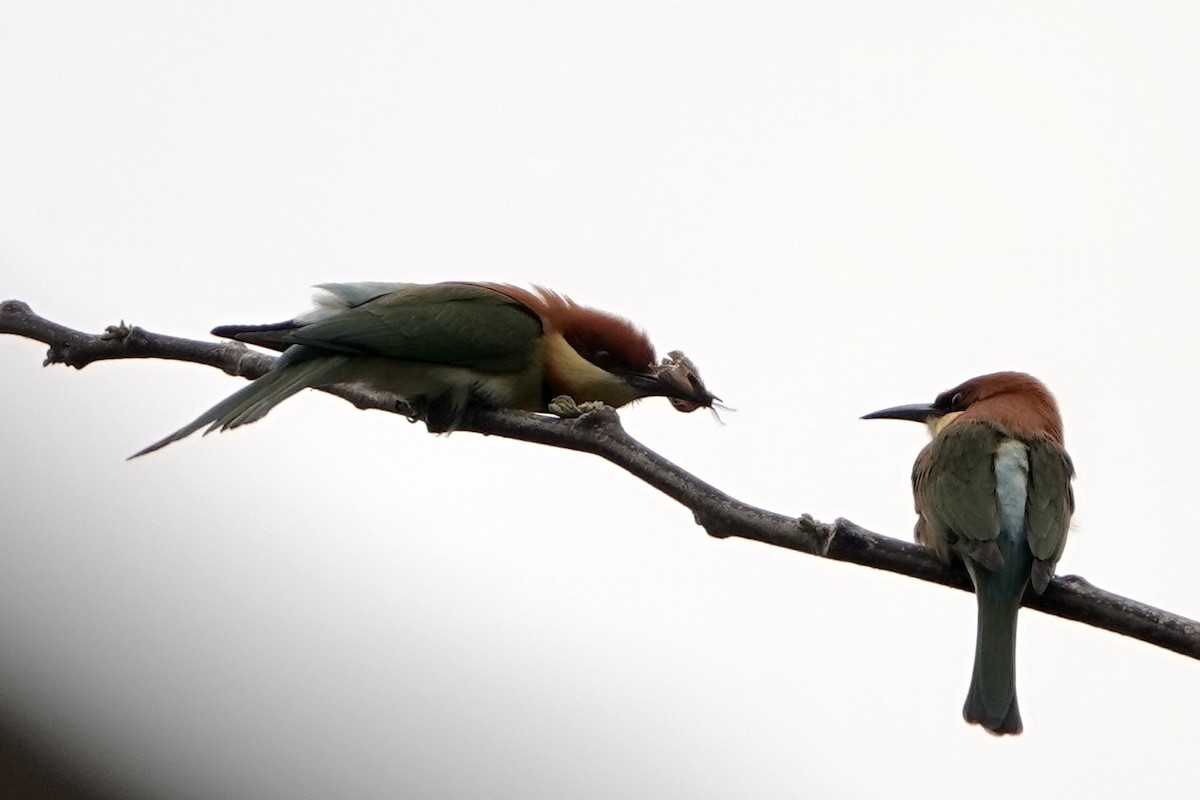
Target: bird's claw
409 411
566 407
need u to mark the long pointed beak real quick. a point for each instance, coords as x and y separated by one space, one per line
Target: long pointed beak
918 412
654 386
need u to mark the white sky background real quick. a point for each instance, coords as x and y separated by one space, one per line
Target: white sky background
831 209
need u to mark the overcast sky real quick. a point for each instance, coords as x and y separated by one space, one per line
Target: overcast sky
831 208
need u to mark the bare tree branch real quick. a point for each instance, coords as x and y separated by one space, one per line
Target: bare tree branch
600 433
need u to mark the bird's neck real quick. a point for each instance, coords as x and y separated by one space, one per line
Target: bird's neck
569 373
938 424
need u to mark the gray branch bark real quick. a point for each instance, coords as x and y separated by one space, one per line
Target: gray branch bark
600 433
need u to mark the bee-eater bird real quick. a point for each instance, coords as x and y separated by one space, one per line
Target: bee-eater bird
447 348
994 489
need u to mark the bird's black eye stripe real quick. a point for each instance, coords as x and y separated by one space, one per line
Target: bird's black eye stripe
949 401
603 359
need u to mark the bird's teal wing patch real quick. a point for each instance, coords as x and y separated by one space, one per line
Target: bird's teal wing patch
355 294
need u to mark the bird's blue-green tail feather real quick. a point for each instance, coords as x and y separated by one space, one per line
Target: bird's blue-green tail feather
992 698
251 403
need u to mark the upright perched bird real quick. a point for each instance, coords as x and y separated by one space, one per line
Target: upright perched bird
447 348
994 489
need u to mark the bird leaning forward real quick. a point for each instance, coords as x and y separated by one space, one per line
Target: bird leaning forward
449 348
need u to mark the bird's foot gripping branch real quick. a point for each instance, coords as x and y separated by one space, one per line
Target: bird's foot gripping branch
566 407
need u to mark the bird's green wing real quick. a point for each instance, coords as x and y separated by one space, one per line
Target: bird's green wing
457 324
1050 505
955 488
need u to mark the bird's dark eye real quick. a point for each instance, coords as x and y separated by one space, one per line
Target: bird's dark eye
947 402
603 359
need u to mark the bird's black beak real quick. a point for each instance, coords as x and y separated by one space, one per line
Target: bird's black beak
918 412
693 394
